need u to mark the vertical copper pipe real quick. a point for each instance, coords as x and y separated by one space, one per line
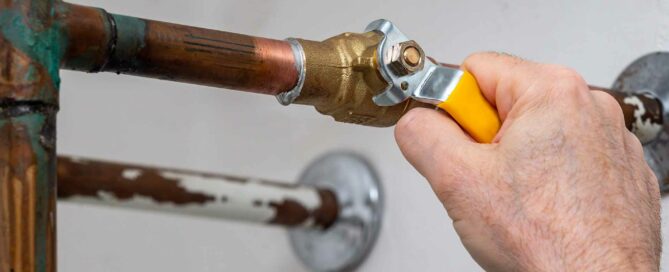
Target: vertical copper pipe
99 41
194 193
30 52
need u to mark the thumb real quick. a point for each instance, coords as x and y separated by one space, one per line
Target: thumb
438 148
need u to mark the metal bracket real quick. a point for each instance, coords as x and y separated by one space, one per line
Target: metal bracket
344 245
650 74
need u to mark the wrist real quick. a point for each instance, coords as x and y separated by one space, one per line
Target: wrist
590 258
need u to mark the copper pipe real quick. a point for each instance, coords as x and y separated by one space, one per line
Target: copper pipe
195 193
29 80
27 193
100 41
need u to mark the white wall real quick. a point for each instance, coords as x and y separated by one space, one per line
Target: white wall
170 124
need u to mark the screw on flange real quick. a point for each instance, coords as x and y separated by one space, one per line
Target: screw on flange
406 58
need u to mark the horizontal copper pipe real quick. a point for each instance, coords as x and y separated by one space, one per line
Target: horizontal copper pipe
194 193
100 41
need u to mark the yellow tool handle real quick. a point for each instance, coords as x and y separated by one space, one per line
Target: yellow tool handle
471 110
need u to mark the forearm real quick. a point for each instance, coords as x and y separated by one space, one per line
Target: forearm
579 247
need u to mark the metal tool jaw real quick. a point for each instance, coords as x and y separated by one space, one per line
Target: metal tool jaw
429 83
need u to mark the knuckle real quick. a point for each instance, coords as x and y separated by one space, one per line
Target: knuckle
565 83
610 105
491 55
475 58
568 77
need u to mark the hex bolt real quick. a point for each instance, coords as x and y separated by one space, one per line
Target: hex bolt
406 58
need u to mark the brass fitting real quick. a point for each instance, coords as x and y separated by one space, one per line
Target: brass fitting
342 76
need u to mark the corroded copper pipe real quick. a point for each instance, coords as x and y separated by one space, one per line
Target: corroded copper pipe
100 41
192 193
30 54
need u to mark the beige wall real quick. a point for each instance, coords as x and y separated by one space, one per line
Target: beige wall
170 124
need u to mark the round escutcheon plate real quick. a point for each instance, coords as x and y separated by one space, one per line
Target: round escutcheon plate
650 73
343 246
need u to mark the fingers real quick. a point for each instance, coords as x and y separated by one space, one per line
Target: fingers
515 85
502 78
433 143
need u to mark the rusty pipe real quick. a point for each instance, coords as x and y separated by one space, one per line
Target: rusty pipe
101 41
193 193
643 112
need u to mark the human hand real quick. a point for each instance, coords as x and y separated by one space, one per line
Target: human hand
564 185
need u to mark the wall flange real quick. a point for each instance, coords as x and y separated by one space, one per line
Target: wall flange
650 74
344 245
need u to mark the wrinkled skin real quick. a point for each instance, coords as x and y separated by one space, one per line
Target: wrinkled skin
563 187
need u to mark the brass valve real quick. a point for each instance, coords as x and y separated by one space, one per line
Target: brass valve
375 77
342 77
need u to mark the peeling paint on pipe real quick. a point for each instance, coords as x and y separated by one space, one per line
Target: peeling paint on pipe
644 126
191 193
643 112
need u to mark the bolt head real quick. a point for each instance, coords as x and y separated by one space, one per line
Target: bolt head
412 56
406 58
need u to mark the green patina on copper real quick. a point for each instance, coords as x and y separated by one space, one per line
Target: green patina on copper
39 11
33 125
45 46
27 27
130 42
